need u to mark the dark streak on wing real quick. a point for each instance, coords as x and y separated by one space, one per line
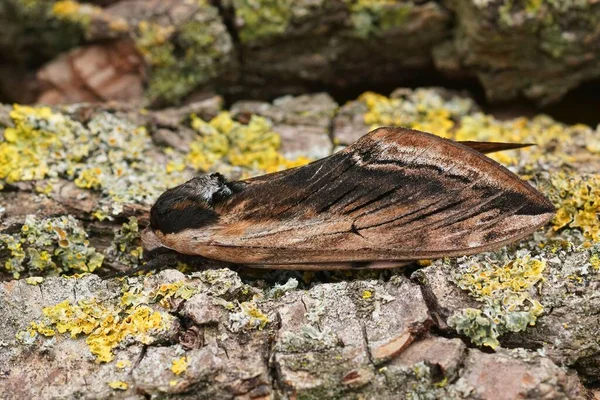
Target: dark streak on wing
375 199
315 187
335 201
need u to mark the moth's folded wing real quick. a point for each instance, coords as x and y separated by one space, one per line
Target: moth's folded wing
396 194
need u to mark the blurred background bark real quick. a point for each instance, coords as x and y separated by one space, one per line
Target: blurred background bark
173 51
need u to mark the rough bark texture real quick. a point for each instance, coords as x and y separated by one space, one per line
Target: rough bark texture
261 49
518 323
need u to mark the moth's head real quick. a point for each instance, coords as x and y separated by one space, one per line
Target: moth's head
190 205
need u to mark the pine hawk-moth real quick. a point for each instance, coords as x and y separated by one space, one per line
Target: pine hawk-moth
394 196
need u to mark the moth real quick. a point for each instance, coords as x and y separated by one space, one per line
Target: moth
394 196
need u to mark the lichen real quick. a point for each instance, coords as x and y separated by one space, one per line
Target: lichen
125 247
118 385
184 57
225 142
279 290
105 326
176 290
577 198
309 338
75 12
506 293
108 155
421 109
421 381
34 280
248 317
58 245
122 364
33 32
456 118
373 17
262 18
179 365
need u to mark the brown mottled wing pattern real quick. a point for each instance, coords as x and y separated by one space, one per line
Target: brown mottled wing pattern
396 194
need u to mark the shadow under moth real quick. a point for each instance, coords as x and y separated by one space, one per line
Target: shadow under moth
393 197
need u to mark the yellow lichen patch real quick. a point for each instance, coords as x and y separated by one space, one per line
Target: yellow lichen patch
32 144
540 131
122 364
483 280
253 147
367 294
179 365
118 385
595 262
167 291
108 155
577 199
422 109
455 118
49 245
34 280
73 11
105 326
506 293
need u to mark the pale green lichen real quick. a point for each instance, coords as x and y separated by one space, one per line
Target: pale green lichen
224 142
549 21
125 247
262 18
184 57
55 245
114 157
248 317
279 290
506 291
309 338
373 17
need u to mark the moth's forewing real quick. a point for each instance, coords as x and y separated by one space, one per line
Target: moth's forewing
395 194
